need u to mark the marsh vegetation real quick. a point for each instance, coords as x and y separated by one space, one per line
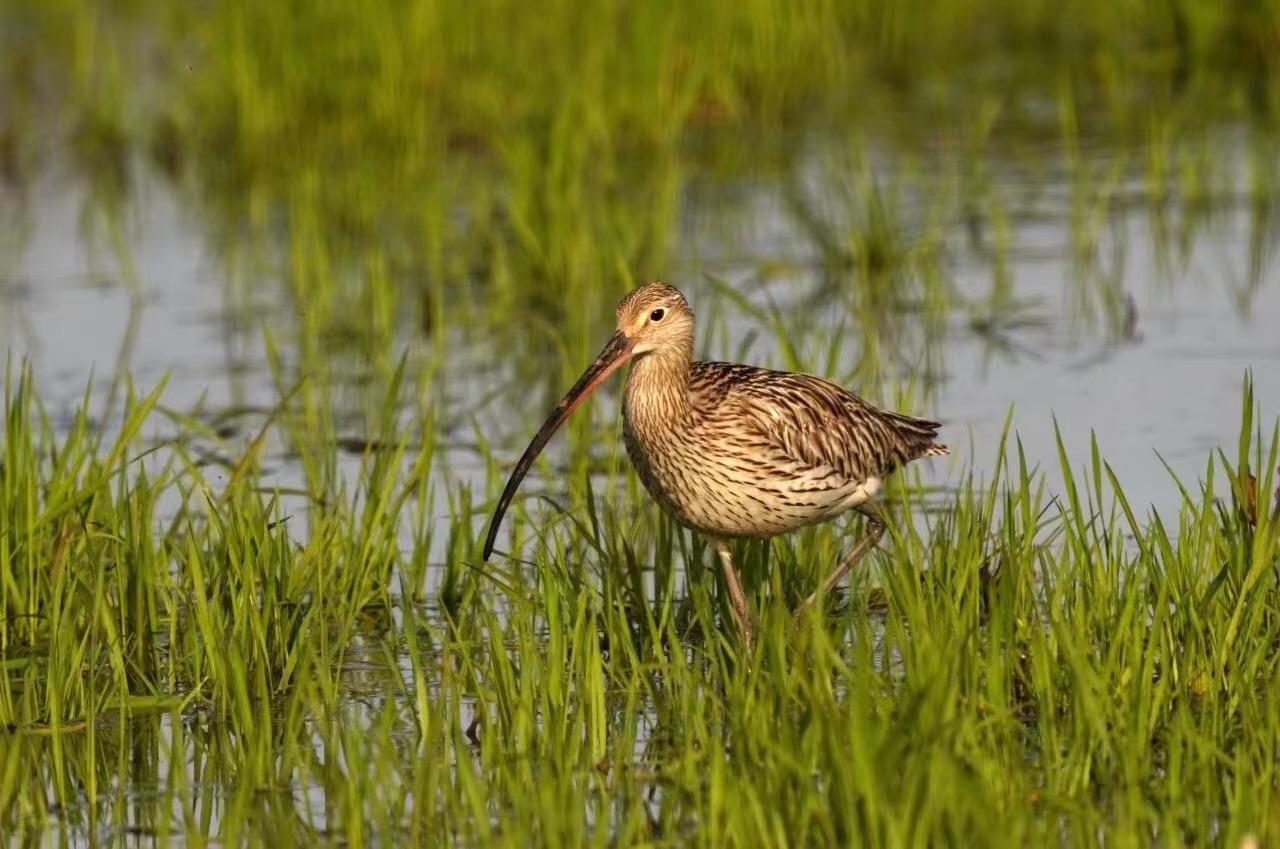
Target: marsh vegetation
285 287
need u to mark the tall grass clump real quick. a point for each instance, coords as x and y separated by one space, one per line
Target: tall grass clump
190 652
1054 662
140 578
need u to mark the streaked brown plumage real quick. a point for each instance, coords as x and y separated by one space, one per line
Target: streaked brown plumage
732 450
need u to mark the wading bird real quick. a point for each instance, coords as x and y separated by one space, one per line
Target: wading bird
735 451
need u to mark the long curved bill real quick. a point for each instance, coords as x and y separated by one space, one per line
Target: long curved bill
618 350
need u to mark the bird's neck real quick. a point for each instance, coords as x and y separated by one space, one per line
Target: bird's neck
657 397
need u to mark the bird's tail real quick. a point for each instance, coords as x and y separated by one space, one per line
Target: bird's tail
920 436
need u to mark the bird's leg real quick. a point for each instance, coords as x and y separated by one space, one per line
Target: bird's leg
875 530
736 595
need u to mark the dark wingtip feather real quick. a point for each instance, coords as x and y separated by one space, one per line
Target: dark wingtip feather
921 435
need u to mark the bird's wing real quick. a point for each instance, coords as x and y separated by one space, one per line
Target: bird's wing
806 422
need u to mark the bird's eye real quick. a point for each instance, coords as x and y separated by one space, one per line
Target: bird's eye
657 315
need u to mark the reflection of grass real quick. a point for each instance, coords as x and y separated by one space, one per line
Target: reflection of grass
1044 662
500 168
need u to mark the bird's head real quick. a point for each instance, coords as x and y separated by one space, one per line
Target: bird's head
655 317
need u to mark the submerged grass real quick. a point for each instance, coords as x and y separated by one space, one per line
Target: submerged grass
179 664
